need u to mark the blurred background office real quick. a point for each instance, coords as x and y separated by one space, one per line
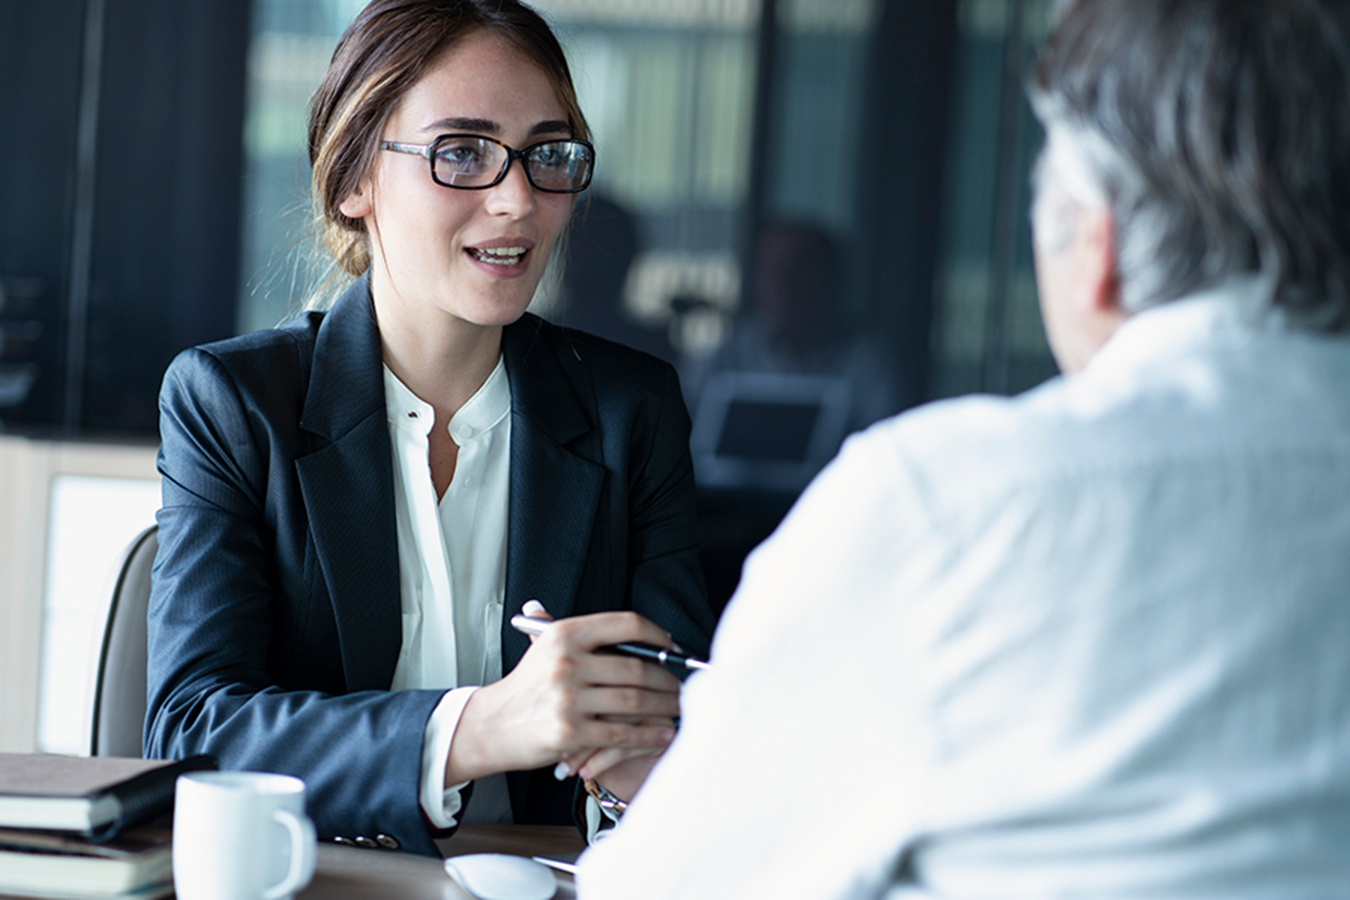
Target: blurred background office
153 181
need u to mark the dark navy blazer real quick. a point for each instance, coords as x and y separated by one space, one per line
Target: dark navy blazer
275 613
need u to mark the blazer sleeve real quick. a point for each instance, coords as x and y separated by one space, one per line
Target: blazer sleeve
224 601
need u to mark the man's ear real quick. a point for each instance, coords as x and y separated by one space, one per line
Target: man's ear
356 205
1101 280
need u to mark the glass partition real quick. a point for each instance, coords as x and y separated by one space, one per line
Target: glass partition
816 207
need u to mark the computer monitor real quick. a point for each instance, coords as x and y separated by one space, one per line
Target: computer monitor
767 431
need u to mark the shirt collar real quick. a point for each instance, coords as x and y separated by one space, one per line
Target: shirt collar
1232 313
403 408
485 409
488 407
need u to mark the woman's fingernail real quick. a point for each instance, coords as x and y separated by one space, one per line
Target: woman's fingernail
561 770
533 608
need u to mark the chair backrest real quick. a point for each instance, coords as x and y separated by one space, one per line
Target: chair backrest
119 692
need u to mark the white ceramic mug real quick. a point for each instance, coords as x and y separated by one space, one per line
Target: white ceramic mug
240 836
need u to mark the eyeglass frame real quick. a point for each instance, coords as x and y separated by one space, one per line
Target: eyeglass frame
512 154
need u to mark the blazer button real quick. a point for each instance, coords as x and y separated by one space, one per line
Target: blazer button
363 841
344 841
387 841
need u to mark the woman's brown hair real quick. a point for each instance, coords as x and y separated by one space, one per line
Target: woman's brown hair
380 56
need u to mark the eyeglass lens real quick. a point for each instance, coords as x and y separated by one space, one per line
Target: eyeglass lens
477 162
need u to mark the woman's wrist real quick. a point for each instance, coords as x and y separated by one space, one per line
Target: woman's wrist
473 752
625 778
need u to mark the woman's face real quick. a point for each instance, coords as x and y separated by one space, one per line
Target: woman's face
429 243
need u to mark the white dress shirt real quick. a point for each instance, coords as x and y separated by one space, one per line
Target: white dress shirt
1092 641
452 573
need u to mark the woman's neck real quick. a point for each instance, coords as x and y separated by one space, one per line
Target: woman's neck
442 359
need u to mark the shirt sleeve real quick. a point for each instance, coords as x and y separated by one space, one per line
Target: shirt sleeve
600 822
442 802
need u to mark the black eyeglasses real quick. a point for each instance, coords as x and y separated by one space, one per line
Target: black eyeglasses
473 162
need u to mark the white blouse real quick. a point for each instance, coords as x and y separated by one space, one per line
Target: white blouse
452 573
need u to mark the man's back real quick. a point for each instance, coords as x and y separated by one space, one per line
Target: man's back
1138 662
1106 630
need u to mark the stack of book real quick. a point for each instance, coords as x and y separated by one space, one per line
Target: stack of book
87 827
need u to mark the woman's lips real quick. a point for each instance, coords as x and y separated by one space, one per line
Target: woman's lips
504 259
499 256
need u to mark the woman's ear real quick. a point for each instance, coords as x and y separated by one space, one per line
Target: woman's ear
356 205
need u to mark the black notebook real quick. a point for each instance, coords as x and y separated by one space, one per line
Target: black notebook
137 864
94 796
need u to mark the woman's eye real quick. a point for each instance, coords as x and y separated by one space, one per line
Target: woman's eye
461 157
549 157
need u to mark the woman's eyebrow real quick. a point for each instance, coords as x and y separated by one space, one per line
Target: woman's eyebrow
478 126
491 128
551 126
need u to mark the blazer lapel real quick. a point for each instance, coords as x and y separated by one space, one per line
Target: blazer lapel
555 488
348 488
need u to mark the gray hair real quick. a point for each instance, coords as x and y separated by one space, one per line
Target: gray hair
1218 134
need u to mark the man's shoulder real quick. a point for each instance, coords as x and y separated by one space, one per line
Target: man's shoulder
941 431
1241 405
976 448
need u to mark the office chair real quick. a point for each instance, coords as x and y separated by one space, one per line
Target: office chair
119 692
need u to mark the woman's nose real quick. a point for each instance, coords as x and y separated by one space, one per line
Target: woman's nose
513 195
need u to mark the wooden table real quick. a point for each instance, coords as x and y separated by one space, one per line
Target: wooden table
350 873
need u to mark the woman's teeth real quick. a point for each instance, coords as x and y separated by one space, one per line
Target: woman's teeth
501 256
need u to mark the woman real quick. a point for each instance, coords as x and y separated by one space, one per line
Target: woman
360 500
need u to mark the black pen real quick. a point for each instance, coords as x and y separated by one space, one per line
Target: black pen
660 655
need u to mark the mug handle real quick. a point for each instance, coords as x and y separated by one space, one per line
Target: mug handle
301 831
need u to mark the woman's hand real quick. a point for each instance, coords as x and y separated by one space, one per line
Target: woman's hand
625 770
564 701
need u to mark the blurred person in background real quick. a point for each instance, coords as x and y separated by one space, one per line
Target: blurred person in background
796 325
602 244
1090 641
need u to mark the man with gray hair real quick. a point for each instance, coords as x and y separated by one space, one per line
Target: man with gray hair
1094 640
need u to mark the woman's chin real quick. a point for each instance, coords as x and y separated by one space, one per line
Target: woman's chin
494 311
